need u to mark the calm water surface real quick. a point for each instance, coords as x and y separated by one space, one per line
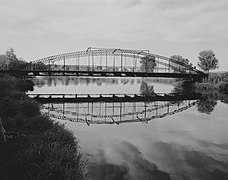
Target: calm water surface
191 144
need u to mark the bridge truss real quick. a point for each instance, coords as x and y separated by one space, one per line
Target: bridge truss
112 62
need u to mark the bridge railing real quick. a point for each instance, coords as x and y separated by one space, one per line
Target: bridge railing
86 68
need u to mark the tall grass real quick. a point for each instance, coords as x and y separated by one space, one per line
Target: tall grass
37 147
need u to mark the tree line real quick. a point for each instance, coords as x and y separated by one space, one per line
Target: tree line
10 61
207 62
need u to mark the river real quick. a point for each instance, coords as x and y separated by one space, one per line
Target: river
184 140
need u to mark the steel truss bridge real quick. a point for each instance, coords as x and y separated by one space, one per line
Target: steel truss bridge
110 62
100 109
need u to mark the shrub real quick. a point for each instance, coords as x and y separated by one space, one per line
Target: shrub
32 125
9 107
8 83
28 107
223 87
5 86
13 107
24 85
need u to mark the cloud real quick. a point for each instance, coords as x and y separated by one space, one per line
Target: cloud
127 163
100 169
160 160
194 22
129 20
183 162
176 4
104 19
130 3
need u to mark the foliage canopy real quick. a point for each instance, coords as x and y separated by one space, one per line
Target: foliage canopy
148 64
9 61
207 60
179 63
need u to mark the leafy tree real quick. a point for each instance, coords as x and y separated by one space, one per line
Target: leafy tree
39 66
17 65
208 61
10 53
4 61
179 63
148 64
180 59
13 62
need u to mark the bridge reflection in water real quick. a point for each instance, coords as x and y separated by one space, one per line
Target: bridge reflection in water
119 110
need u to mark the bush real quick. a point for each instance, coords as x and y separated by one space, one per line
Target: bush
5 86
13 107
25 85
9 107
28 107
223 87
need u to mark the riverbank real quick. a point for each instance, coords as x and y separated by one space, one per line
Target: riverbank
216 81
31 145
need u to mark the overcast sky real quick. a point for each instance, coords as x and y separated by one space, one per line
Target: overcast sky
39 28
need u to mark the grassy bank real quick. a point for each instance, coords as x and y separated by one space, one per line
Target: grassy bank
215 81
31 145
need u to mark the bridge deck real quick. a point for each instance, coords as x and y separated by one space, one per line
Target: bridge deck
71 98
104 73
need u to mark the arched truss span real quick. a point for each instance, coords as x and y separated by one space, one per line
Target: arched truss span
129 60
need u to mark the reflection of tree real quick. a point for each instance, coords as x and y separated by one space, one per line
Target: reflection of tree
51 81
223 88
146 89
125 81
223 98
177 102
207 104
184 87
67 81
